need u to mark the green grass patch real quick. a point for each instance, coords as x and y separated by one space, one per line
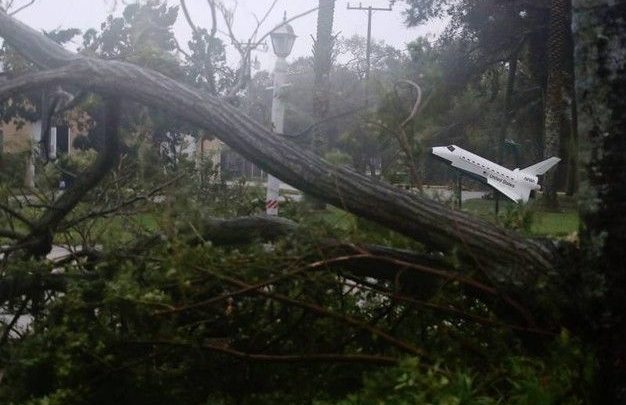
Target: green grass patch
543 223
555 223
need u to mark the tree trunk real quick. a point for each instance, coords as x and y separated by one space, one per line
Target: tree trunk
506 119
573 167
600 33
322 65
323 59
512 263
558 92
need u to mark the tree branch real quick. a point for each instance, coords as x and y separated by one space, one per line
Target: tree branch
112 210
416 105
509 259
10 211
283 358
39 241
349 320
25 6
239 230
5 233
213 10
8 328
183 5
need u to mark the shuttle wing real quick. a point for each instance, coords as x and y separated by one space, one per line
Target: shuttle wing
542 167
464 166
522 193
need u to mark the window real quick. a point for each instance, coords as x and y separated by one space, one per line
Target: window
63 139
59 141
451 148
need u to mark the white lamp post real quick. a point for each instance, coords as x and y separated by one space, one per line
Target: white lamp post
283 39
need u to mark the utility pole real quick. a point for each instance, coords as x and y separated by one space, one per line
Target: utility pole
368 51
249 48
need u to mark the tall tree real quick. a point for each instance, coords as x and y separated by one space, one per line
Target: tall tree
558 91
600 32
323 59
483 34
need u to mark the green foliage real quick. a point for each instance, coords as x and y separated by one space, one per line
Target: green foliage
146 322
554 379
63 36
413 383
11 168
142 35
519 217
532 218
20 108
206 64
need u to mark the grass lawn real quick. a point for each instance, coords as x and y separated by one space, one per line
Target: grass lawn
544 223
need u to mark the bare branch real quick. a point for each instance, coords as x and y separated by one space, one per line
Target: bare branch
245 52
212 8
262 20
416 105
180 49
25 6
287 21
193 27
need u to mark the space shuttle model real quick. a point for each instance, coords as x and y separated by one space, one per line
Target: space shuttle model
515 184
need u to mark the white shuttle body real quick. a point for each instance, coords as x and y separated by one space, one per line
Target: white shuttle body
515 184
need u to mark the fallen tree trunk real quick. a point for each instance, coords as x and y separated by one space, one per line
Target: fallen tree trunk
241 230
506 258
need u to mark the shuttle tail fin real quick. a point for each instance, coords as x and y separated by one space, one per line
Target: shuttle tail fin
542 167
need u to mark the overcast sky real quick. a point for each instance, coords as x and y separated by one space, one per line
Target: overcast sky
387 26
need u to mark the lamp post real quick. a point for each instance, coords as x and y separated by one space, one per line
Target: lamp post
283 39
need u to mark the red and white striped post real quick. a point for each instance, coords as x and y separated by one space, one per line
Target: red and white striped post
273 190
283 39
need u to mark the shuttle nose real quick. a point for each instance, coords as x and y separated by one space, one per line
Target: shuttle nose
439 151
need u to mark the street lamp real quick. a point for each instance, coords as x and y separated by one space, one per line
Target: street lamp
283 39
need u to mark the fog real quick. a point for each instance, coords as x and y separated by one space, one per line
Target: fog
386 26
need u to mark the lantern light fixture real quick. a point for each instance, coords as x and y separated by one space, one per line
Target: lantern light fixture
283 39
